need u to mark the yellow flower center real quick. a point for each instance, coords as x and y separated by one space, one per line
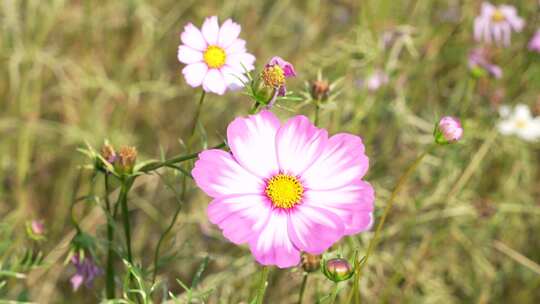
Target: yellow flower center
214 56
521 124
285 191
498 16
273 76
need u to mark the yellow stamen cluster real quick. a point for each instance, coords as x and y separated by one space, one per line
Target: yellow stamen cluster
285 191
273 76
498 16
521 124
214 57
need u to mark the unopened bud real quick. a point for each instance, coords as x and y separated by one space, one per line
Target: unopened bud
310 262
108 153
448 130
337 270
320 90
127 156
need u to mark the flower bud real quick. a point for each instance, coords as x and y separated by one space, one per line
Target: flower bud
127 156
320 90
36 230
310 262
448 130
108 153
337 270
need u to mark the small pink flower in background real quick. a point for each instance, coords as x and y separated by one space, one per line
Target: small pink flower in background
448 130
534 44
86 271
214 56
478 60
275 72
38 228
496 24
286 188
376 80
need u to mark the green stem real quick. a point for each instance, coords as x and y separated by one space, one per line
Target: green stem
317 107
156 253
302 288
197 113
261 290
333 297
175 160
126 184
110 284
401 182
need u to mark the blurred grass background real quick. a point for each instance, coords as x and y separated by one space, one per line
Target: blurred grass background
465 230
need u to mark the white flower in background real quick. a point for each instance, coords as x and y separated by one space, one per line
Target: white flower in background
519 122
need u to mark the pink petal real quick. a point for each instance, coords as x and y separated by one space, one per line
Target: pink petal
242 217
194 73
352 203
210 30
228 33
299 143
342 162
240 61
214 82
188 55
252 142
314 229
217 173
192 37
273 246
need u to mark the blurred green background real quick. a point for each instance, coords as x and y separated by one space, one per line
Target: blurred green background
466 228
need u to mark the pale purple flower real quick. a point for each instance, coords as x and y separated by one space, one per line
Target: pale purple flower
86 271
478 59
534 44
448 130
496 24
376 80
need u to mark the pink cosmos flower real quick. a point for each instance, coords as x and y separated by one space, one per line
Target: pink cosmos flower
496 23
214 56
534 44
286 188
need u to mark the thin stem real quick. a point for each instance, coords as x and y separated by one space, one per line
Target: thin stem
317 108
197 113
303 288
333 297
158 247
126 184
175 160
110 284
401 182
261 290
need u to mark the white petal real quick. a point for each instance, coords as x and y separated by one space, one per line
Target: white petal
228 33
214 82
194 73
188 55
210 30
192 37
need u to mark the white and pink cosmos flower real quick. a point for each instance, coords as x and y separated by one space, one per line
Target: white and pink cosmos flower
214 56
286 188
496 24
